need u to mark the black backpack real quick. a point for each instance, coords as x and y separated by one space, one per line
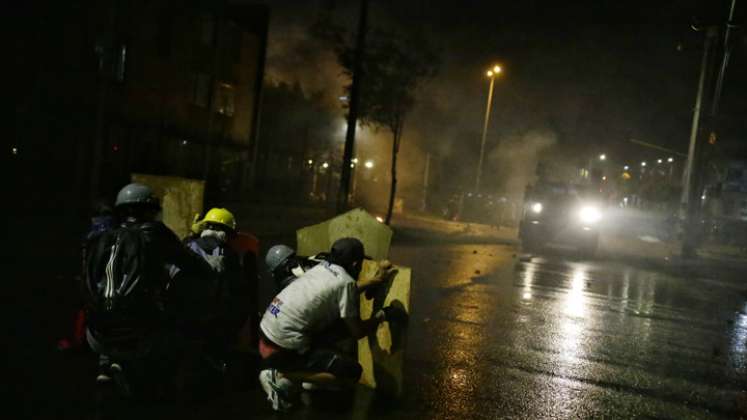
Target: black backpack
125 293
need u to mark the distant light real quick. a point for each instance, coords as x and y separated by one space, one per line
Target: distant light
355 160
489 73
626 167
369 164
602 157
526 296
115 148
643 163
537 207
14 150
325 165
497 69
380 219
184 142
310 162
670 160
659 161
352 165
703 197
604 178
343 98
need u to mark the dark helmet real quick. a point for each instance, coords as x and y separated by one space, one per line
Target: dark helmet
136 194
277 256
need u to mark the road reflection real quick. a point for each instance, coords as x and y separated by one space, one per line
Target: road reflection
738 352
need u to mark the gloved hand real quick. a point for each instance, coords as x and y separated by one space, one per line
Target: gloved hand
395 314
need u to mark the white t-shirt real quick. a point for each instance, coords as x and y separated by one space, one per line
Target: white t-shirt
308 305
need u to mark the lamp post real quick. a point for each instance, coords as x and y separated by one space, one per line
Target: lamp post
492 73
602 157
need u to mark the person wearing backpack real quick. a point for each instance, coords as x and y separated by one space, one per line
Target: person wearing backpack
131 313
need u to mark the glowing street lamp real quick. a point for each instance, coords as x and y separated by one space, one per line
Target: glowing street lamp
491 73
602 157
643 164
670 160
659 161
626 167
369 164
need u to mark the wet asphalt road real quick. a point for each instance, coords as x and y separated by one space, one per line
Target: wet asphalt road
556 337
496 335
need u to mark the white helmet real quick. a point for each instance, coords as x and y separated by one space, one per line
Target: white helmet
278 255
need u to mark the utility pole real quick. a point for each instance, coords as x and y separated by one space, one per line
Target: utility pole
484 134
696 160
426 178
686 185
347 157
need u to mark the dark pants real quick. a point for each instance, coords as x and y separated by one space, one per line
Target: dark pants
149 364
324 355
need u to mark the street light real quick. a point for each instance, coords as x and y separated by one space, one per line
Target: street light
659 161
643 164
670 160
492 73
626 167
369 164
602 157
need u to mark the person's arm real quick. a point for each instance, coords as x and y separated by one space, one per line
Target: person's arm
174 251
359 328
384 274
362 328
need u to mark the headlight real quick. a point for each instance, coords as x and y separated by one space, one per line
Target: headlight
590 214
537 207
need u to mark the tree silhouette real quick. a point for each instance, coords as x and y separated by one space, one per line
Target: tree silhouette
394 66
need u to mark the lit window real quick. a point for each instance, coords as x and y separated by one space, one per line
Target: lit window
224 99
121 63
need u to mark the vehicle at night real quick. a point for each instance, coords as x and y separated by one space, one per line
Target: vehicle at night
560 213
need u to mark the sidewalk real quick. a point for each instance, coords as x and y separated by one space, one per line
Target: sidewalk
427 227
666 255
271 223
283 221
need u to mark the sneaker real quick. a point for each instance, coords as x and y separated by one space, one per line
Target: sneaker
309 386
103 377
120 378
279 390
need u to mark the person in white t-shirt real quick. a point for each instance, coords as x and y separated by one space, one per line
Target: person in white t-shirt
307 307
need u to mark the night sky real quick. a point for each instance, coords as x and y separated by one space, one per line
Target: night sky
589 76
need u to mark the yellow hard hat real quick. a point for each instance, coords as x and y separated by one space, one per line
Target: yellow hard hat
215 215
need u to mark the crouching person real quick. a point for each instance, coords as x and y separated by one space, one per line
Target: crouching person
132 325
294 324
229 307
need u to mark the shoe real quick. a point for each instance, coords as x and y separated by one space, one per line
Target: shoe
103 377
279 390
309 386
120 378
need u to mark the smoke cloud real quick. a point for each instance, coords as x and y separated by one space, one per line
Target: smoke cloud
516 158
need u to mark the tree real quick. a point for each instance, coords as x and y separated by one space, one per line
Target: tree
394 66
